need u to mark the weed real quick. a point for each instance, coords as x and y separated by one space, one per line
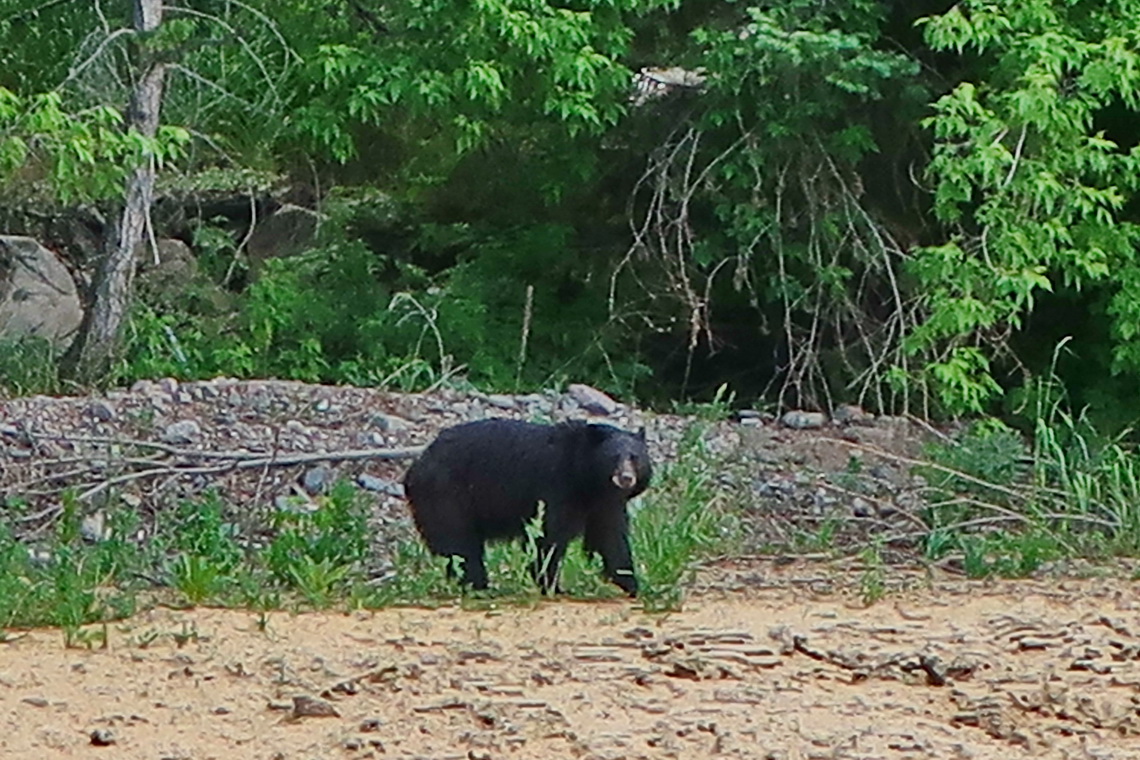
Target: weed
335 533
316 579
188 632
28 366
682 519
719 408
872 581
198 578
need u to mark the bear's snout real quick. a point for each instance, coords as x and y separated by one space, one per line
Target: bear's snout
625 477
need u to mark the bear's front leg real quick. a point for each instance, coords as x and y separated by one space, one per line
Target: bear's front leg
607 534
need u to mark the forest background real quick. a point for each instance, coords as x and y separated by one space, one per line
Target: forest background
923 207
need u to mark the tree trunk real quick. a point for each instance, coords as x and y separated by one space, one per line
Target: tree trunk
89 358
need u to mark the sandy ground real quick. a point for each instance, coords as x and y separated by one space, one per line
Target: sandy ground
948 670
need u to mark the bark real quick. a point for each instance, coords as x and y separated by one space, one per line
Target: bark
90 356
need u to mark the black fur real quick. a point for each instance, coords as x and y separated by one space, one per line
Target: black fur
482 481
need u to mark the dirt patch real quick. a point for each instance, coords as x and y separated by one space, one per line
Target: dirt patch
944 669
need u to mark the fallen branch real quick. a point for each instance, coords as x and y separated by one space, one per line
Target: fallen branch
220 461
408 452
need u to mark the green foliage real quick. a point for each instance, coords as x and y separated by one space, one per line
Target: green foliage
334 314
1009 508
986 452
683 518
763 175
199 578
314 550
27 367
719 408
1031 189
82 155
476 65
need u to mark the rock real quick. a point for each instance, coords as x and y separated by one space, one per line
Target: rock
35 701
102 737
38 297
592 399
94 528
310 707
298 427
175 277
316 479
181 432
101 410
169 386
752 416
40 557
861 508
389 423
290 230
370 725
800 420
501 402
380 485
852 414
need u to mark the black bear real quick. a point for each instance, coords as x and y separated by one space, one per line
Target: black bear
481 481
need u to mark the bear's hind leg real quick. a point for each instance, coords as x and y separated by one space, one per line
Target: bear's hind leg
470 549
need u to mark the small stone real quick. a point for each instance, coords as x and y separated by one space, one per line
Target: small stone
101 410
852 414
295 426
169 386
181 432
323 405
880 472
592 400
293 504
861 508
35 701
379 485
371 725
389 423
801 420
102 737
500 401
39 557
316 479
94 528
144 387
309 707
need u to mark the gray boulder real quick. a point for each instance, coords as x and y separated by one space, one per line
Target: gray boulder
38 296
289 231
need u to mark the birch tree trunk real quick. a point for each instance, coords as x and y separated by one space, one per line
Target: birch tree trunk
89 358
